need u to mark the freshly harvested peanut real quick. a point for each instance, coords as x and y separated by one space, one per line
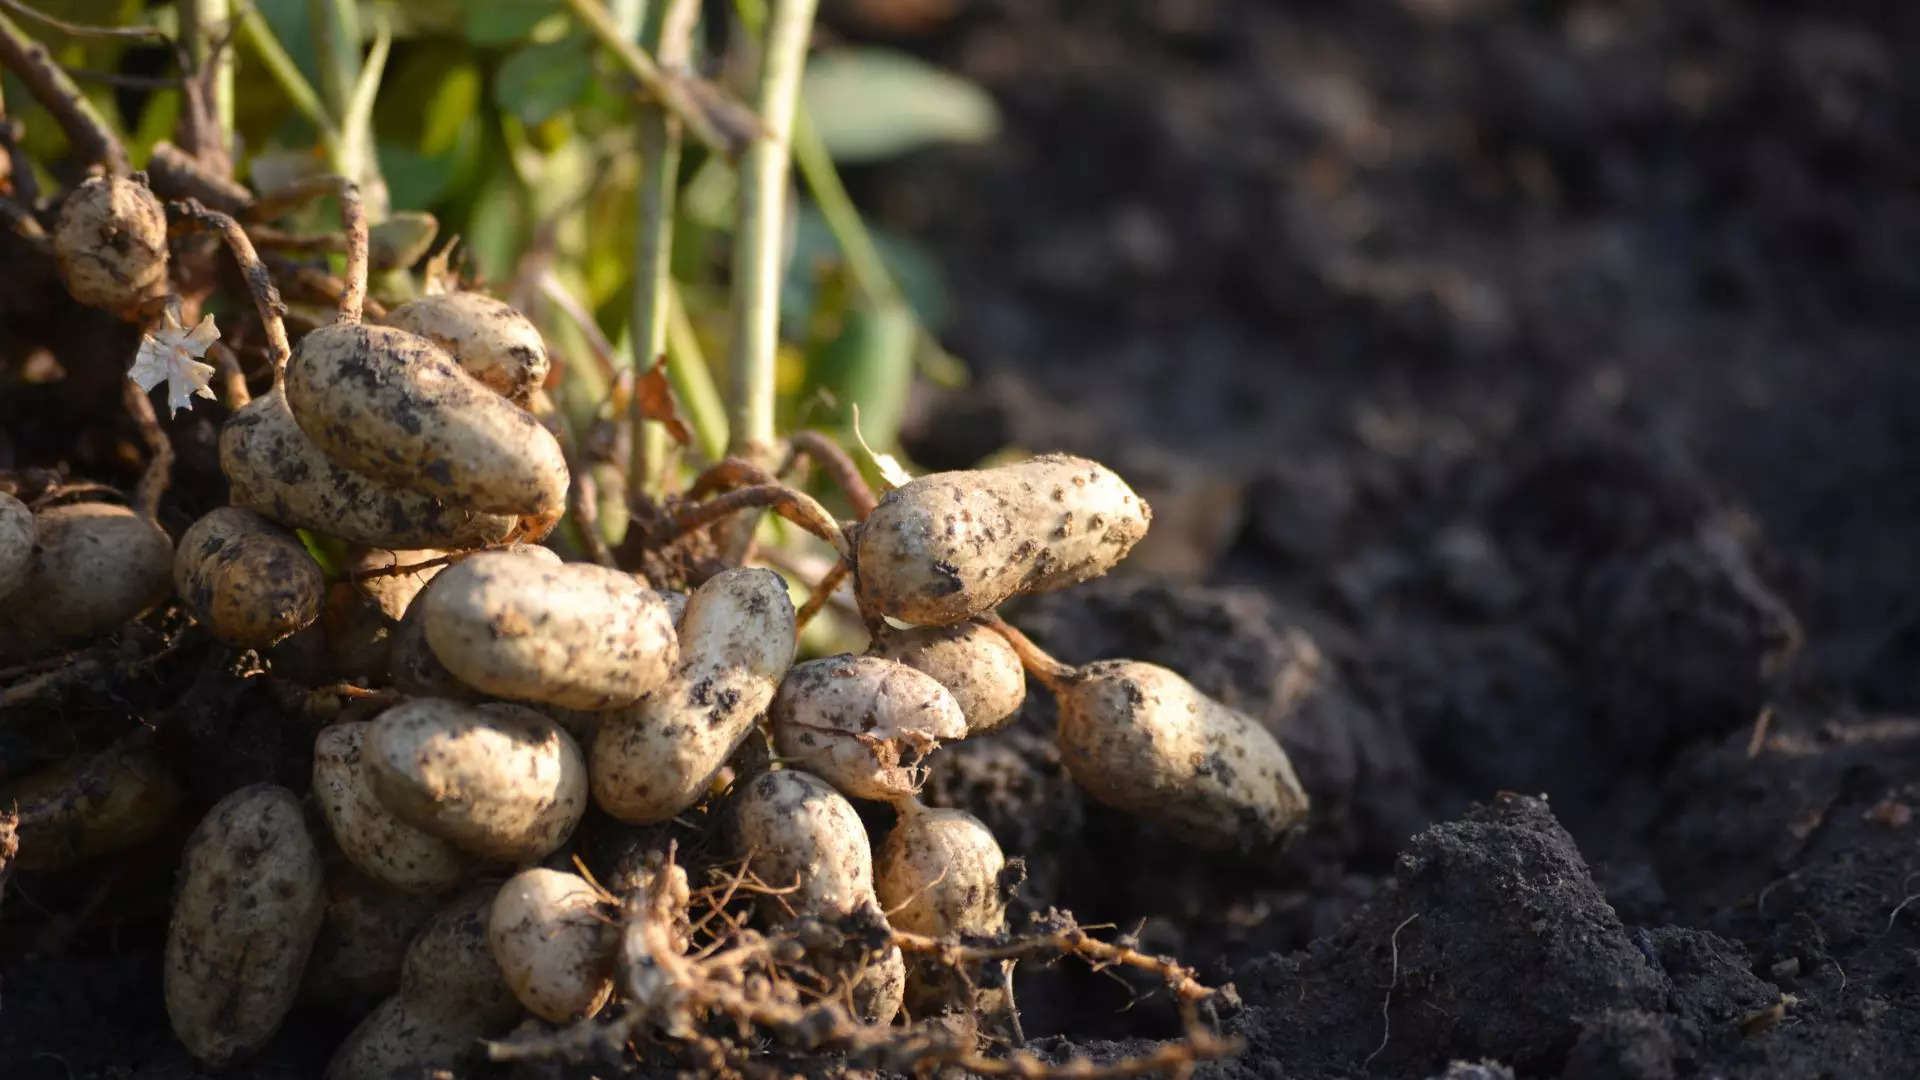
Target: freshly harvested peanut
862 724
249 581
363 939
451 995
799 834
1140 738
371 836
274 469
393 594
575 635
94 567
938 873
492 341
16 542
416 670
552 943
499 781
249 905
655 759
397 408
948 546
976 665
111 245
93 804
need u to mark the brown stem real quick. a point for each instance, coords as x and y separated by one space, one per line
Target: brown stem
71 29
821 594
269 238
728 473
839 467
159 471
398 569
24 225
314 283
175 174
266 298
796 506
1052 673
26 186
353 217
583 502
232 378
92 139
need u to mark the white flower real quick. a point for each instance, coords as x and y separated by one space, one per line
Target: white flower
170 354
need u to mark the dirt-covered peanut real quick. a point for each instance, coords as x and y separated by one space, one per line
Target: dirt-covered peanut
396 407
247 908
111 245
93 804
451 995
938 873
492 341
372 837
553 943
249 581
798 832
363 939
976 665
948 546
274 469
500 781
656 758
576 635
862 723
94 566
416 671
16 542
393 594
1140 738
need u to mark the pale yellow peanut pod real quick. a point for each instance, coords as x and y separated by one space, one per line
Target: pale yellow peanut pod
553 943
499 781
489 338
416 671
372 837
947 546
396 407
393 594
938 873
976 665
16 542
656 758
94 567
862 723
575 635
93 804
248 907
275 470
249 581
110 244
1140 738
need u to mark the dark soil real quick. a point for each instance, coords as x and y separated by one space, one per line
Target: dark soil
1526 396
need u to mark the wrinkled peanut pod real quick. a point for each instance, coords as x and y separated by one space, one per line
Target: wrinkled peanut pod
90 805
948 546
372 837
16 542
249 581
1140 738
94 567
862 724
396 407
654 759
493 342
111 245
500 781
249 904
274 469
575 635
553 944
976 665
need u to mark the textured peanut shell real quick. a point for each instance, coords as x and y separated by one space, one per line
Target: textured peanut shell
797 831
372 837
553 944
16 542
248 907
249 581
397 408
274 469
976 665
94 567
493 342
416 671
1140 738
948 546
90 805
862 723
575 635
656 758
938 873
499 781
111 245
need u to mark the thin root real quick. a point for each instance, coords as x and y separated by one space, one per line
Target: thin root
821 594
1039 663
1386 1003
839 467
158 475
796 506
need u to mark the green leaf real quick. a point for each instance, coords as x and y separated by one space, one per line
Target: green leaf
868 367
449 109
536 81
871 103
503 22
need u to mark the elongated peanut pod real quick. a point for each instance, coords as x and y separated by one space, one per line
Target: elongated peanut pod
553 944
862 723
94 566
1140 738
976 665
371 836
489 338
654 759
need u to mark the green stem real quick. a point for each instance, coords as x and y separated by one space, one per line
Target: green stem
286 74
692 380
759 239
669 90
210 22
670 35
356 123
336 42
